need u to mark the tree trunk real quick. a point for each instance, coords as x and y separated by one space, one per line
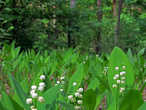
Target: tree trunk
117 28
71 41
114 8
72 3
99 17
69 38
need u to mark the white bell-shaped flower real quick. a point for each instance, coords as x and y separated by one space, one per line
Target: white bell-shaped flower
42 77
114 86
74 83
70 97
118 81
34 95
79 101
77 107
62 78
29 100
77 94
40 88
58 82
80 90
41 99
42 84
116 68
32 91
33 87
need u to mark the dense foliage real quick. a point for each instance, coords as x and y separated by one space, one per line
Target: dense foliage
68 80
53 24
72 54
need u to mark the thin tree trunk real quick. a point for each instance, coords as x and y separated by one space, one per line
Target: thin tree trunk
114 8
70 39
72 3
117 29
99 17
69 42
69 36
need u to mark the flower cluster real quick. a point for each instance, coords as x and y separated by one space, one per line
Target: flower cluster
34 92
61 82
85 60
120 79
76 99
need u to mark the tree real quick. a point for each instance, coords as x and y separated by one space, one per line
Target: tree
71 41
117 28
114 8
99 18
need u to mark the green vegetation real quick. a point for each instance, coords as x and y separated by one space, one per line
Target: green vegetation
87 25
68 80
72 54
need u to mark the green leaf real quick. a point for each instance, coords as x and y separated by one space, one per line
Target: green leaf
6 101
7 1
111 101
50 96
93 84
119 59
10 28
16 105
19 91
2 107
24 84
141 52
131 101
143 107
45 21
77 77
129 54
66 106
89 99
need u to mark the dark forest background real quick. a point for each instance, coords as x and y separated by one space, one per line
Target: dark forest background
85 25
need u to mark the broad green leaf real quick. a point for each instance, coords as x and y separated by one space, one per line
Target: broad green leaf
16 105
6 101
89 99
19 91
143 107
130 56
119 59
77 77
131 101
93 84
111 101
49 96
2 107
